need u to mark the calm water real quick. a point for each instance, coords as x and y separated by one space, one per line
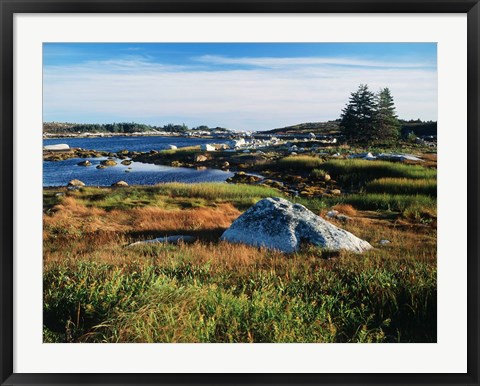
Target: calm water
143 144
60 172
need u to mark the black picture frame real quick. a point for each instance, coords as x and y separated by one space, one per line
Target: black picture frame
9 7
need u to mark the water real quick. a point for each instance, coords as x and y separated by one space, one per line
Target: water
59 173
142 144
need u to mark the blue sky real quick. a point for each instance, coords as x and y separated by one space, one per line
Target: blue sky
243 86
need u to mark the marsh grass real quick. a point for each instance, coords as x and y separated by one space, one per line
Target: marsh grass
167 196
98 289
403 186
300 162
390 202
355 170
214 293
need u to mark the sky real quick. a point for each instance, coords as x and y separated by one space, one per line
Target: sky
240 86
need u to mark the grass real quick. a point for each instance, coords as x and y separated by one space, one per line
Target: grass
355 170
301 162
169 196
96 289
403 186
395 202
220 293
367 169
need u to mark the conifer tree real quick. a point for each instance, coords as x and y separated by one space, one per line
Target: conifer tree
357 117
386 125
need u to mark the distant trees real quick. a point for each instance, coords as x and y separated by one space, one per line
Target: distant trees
370 118
117 128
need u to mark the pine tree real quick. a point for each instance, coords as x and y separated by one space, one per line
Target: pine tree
357 119
386 127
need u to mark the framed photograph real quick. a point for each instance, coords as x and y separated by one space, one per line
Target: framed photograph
239 192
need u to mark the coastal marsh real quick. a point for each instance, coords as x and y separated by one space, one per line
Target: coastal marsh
97 289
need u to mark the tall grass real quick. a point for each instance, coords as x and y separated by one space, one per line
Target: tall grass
168 195
176 298
97 288
355 170
217 191
403 186
392 202
405 204
301 162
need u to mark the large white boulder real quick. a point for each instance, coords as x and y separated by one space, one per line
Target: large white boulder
276 223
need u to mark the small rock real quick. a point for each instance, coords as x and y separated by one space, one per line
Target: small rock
168 239
172 147
200 158
76 183
327 177
108 162
126 162
120 184
336 192
225 165
85 163
343 217
384 242
332 213
101 167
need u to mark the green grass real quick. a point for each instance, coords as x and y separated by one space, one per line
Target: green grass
300 163
355 170
217 191
403 186
395 202
405 204
351 300
169 195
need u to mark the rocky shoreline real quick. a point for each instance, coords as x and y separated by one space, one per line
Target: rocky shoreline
251 166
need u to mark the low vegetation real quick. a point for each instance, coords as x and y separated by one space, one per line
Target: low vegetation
98 289
426 187
357 170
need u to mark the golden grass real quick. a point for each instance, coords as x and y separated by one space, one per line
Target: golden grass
93 233
346 209
98 288
93 219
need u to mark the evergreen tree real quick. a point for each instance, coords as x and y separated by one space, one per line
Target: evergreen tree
357 117
385 124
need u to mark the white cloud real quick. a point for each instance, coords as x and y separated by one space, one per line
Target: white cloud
272 62
259 98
